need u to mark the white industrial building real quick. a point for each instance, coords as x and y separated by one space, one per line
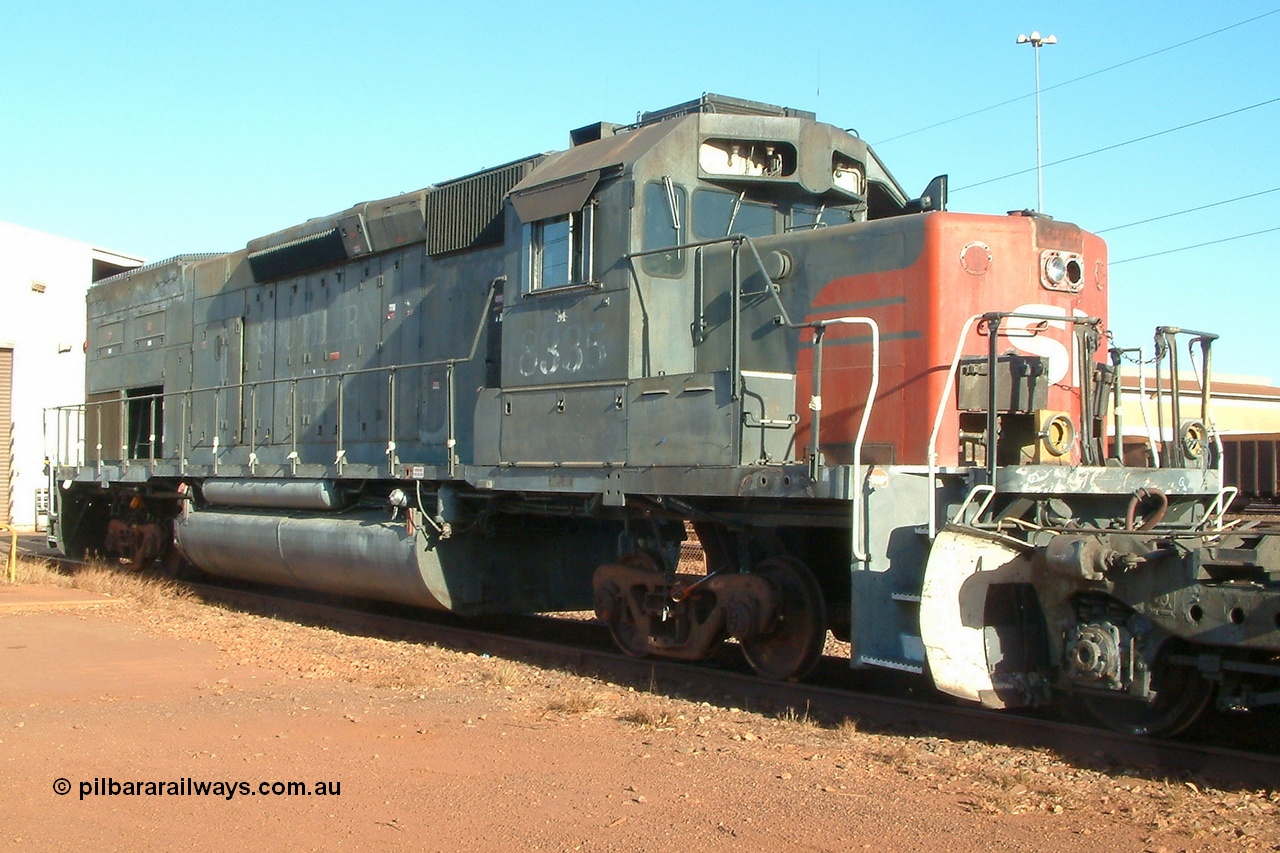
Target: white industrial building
1240 405
43 280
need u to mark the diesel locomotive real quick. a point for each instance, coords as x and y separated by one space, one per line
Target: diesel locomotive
523 389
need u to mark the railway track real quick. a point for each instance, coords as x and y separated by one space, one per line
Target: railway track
585 647
1265 513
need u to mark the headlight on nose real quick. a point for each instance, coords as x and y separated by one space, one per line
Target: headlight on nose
1061 271
1055 269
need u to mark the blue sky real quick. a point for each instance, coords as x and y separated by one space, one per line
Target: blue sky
155 128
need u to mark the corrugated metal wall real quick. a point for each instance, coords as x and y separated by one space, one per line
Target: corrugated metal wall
6 433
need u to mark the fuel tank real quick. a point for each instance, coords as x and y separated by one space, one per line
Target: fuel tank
510 570
291 494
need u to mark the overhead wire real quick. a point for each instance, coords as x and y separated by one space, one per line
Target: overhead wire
1114 146
1077 79
1195 246
1119 144
1128 142
1188 210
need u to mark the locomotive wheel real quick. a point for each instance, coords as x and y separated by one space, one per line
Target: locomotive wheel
792 649
1182 695
628 631
629 636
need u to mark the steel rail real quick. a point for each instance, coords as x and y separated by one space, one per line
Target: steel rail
1087 745
893 715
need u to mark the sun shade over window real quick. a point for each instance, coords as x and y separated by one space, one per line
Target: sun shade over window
557 198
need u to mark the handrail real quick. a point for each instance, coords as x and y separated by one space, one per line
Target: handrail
1152 444
392 459
253 430
988 493
735 328
819 331
815 405
1205 379
932 452
693 244
340 430
1165 344
188 395
815 399
217 397
98 446
1117 399
735 293
993 318
1217 508
124 429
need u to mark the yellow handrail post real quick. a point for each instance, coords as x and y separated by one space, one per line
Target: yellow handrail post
11 565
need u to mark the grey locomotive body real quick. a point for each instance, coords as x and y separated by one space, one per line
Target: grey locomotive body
517 390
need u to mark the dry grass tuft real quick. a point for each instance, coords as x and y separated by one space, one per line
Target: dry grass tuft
847 729
580 700
32 571
803 720
652 715
505 674
146 589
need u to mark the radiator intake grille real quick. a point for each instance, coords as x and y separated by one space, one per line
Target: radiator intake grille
467 213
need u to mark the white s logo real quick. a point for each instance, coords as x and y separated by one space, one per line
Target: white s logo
1027 336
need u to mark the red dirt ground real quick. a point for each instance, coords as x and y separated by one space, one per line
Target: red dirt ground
440 750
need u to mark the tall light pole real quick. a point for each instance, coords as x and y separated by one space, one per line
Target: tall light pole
1036 41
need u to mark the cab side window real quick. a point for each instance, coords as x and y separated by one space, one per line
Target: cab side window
559 250
803 216
718 214
664 224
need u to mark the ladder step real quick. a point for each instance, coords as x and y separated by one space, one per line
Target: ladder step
891 664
